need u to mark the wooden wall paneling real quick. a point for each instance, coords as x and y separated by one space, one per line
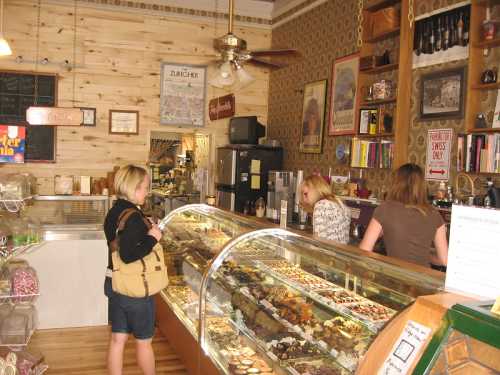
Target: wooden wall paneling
119 53
402 118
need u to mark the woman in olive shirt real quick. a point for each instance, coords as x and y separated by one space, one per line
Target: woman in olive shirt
408 222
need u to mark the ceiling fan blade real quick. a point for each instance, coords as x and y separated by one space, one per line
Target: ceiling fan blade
275 52
264 63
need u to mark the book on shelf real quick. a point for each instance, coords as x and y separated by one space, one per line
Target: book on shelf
496 114
478 153
372 153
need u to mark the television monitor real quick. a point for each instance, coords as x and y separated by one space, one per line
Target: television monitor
245 130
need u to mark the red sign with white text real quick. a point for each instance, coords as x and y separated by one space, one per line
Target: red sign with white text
437 164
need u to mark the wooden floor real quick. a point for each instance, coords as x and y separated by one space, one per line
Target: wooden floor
82 351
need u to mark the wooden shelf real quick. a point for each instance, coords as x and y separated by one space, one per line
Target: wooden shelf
488 43
380 69
484 130
378 102
378 38
482 173
375 5
380 135
486 3
486 86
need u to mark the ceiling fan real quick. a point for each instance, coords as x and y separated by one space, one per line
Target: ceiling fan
234 54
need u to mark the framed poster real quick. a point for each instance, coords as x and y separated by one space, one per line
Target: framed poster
12 143
342 118
442 94
123 122
182 97
88 116
313 111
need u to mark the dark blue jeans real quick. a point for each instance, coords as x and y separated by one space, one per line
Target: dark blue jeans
130 315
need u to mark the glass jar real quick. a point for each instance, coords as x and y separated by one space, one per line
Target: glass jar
19 230
260 207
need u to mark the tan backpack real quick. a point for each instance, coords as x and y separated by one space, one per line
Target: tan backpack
142 278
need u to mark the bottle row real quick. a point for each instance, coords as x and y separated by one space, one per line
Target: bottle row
442 31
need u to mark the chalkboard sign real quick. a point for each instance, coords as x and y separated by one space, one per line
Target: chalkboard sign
18 91
40 145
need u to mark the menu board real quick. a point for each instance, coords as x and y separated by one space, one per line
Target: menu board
474 254
18 92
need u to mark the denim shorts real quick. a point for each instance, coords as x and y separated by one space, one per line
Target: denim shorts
130 315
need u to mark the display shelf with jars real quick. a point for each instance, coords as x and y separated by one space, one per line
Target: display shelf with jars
383 54
481 109
272 301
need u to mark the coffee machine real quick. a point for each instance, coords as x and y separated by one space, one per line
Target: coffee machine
280 186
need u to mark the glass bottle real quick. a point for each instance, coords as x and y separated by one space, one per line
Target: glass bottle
260 207
437 46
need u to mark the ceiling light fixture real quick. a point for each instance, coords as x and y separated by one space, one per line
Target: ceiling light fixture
4 45
231 75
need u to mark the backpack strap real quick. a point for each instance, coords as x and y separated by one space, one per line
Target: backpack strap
122 220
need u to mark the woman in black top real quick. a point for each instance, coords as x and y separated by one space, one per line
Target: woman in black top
126 314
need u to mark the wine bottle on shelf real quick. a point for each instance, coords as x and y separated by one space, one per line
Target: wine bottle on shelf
446 34
465 40
437 33
427 38
418 39
453 31
460 30
431 37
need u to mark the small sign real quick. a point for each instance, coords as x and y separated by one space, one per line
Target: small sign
405 349
221 107
55 116
495 309
473 255
437 165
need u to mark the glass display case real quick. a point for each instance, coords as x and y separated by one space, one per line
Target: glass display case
263 301
192 237
468 342
276 302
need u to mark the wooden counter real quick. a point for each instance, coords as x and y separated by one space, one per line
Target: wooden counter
185 345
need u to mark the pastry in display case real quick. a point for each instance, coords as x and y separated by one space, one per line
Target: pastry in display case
467 343
299 305
193 235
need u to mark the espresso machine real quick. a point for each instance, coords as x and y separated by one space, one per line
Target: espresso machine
280 186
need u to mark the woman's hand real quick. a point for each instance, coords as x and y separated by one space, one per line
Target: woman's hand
155 232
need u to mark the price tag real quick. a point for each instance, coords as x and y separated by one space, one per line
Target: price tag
297 329
266 304
323 344
495 309
334 353
272 356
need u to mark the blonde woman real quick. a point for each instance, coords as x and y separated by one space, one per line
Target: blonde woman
130 315
408 223
331 218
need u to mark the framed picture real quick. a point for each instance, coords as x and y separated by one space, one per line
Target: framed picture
123 122
442 94
182 95
88 116
313 114
343 93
